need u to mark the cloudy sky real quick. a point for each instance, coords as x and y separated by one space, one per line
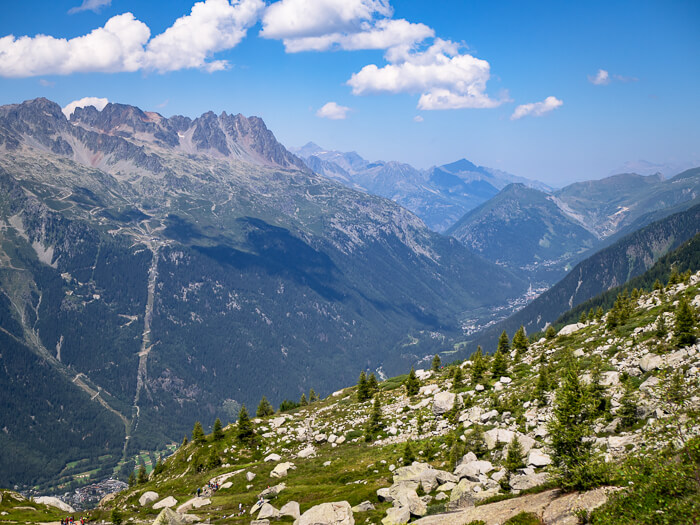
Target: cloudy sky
557 91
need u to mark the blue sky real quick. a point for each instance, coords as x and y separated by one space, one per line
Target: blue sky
557 91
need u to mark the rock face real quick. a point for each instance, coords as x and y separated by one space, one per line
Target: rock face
336 513
53 502
148 497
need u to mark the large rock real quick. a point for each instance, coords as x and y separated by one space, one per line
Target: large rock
365 506
336 513
280 470
194 503
405 496
290 509
169 517
411 472
650 384
268 511
571 328
307 452
271 492
472 469
53 502
527 481
537 458
462 495
168 502
148 497
443 402
650 362
396 516
272 457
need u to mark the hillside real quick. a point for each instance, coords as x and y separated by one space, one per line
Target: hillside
637 388
610 267
155 271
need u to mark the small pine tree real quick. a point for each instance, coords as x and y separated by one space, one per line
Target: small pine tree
458 378
313 397
499 367
514 457
675 277
583 318
436 364
658 286
684 331
116 516
475 442
503 343
374 424
264 408
372 384
213 461
408 455
217 431
599 313
132 479
160 466
635 296
198 433
412 384
303 401
520 342
596 389
478 365
362 388
550 333
245 433
591 315
142 476
628 408
661 330
542 386
456 452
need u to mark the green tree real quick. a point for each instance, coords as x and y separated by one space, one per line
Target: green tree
458 378
302 400
628 407
599 313
245 433
514 457
661 330
198 433
213 461
185 441
543 385
478 365
313 396
363 388
374 424
475 442
499 367
684 331
218 431
288 405
436 364
408 455
132 479
160 466
550 333
596 390
658 286
142 476
412 384
520 342
372 384
116 516
570 430
264 408
675 277
503 343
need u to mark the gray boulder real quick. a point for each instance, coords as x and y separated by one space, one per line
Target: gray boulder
363 507
290 509
527 481
443 402
335 513
268 511
396 516
148 497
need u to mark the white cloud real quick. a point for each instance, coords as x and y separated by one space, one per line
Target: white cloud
536 109
417 118
99 104
445 78
333 111
89 5
123 45
601 78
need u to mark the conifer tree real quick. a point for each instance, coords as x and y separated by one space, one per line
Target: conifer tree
661 330
458 378
303 401
658 285
264 408
503 343
514 457
372 384
591 315
313 397
478 365
520 342
542 386
185 441
675 277
412 384
374 424
582 318
116 516
684 331
198 433
142 476
217 431
499 367
245 433
628 408
596 389
436 364
550 333
132 479
475 442
599 313
408 455
213 461
362 388
456 452
159 467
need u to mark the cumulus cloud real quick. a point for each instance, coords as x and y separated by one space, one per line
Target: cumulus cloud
99 104
536 109
601 78
333 111
445 78
123 44
89 5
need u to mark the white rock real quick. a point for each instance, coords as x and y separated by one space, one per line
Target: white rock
479 388
428 390
505 380
336 513
148 497
610 378
290 509
55 502
250 476
363 507
308 452
527 481
277 422
423 374
340 440
273 457
396 516
268 511
443 402
488 415
537 458
472 470
226 485
280 470
650 383
168 502
332 438
571 328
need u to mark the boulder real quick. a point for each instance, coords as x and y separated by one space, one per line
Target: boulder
148 497
443 402
384 494
527 481
273 457
363 507
461 496
650 362
610 378
411 472
571 328
307 452
290 509
277 422
537 458
467 458
280 470
250 476
55 502
441 496
226 485
428 390
273 491
168 502
472 470
405 496
268 511
396 516
320 438
445 477
651 383
168 517
336 513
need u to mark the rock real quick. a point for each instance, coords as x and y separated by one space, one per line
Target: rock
168 502
467 458
290 509
441 496
396 516
505 380
461 495
307 452
320 438
55 502
428 390
405 496
561 510
336 513
579 353
226 485
446 477
168 517
277 422
332 438
499 475
272 457
527 481
363 507
498 435
443 402
148 497
268 511
571 328
280 470
479 388
610 378
621 441
472 470
489 415
650 383
250 476
340 440
537 458
446 487
650 362
384 494
273 491
260 522
423 374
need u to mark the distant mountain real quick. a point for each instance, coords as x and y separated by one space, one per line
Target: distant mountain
644 167
439 195
608 268
156 271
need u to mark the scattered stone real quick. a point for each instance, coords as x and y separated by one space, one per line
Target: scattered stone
649 384
273 457
168 517
168 502
268 511
280 470
527 481
537 458
363 507
290 509
250 476
571 328
441 496
461 495
443 402
650 362
147 497
273 491
472 470
307 452
336 513
396 516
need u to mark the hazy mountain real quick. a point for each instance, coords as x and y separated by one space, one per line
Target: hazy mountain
439 195
155 271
